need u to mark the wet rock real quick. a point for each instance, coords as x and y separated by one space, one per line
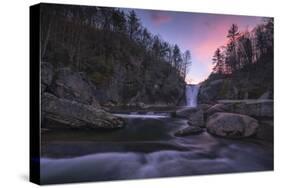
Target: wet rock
190 130
72 114
186 112
232 125
197 119
193 114
204 107
216 108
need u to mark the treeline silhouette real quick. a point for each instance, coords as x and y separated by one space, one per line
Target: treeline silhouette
246 61
96 39
245 49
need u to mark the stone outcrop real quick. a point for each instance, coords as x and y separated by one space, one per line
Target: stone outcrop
255 108
193 114
72 114
232 125
190 130
214 90
74 86
216 108
68 101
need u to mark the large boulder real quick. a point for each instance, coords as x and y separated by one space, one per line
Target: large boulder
255 108
72 114
74 86
232 125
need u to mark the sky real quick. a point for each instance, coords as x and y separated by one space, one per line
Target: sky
201 34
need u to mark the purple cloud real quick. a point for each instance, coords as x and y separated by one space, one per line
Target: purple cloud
159 18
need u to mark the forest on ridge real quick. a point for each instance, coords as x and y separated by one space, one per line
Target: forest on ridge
116 51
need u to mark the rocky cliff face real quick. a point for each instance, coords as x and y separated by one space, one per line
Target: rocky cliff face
254 82
211 91
156 85
226 88
68 101
71 99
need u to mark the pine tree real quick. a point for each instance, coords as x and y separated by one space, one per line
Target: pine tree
218 61
133 25
233 33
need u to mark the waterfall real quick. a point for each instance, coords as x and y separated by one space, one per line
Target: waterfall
191 93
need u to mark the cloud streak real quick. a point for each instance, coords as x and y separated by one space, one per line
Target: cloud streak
159 18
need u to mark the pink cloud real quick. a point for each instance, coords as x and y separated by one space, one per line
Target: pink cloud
159 18
214 38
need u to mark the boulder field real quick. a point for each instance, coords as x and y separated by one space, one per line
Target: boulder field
231 119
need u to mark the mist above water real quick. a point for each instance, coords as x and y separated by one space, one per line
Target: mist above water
146 148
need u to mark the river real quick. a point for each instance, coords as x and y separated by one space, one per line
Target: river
146 148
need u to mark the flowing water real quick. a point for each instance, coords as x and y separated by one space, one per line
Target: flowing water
146 148
191 93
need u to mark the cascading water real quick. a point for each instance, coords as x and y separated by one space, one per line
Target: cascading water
191 93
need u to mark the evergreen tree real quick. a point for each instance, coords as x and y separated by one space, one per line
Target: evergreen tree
233 33
177 58
218 61
133 25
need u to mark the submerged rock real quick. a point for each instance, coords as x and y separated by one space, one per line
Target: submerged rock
190 130
72 114
232 125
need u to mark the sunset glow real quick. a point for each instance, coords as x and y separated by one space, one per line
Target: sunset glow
199 33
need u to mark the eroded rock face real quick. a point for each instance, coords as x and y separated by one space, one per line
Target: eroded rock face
47 74
217 89
68 101
72 114
232 125
255 108
73 86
